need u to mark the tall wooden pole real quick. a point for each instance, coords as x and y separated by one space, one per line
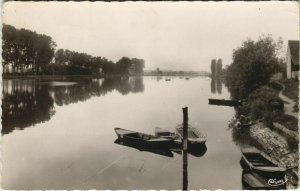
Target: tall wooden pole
185 147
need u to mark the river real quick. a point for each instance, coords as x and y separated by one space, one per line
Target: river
60 135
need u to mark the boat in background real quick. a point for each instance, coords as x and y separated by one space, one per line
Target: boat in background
142 138
168 79
257 161
194 135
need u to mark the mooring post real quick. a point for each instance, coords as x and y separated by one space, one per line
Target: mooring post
185 147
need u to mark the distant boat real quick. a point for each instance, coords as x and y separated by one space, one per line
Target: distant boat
257 161
141 138
194 135
168 79
187 78
224 102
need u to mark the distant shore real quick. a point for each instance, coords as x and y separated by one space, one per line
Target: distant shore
65 77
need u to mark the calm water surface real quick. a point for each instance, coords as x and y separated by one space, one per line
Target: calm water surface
60 135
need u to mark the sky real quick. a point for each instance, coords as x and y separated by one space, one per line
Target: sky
167 35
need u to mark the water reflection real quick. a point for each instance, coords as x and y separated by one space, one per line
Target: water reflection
197 150
216 85
29 102
24 103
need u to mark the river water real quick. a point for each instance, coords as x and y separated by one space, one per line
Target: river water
60 134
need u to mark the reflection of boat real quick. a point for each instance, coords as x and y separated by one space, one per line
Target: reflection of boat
156 150
255 160
197 150
141 138
224 102
194 135
254 181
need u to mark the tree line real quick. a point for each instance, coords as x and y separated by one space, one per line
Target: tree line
28 53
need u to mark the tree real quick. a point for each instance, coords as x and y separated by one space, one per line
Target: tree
253 65
213 67
219 67
123 65
139 65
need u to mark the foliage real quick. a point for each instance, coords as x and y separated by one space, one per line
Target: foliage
213 67
26 52
253 65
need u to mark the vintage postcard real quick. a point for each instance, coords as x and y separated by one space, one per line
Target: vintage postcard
150 95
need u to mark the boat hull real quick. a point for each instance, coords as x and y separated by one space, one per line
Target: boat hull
141 138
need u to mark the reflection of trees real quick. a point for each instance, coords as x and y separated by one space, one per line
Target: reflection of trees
24 103
28 102
219 86
213 86
216 85
64 95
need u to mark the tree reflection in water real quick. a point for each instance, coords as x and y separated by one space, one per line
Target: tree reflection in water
29 102
216 86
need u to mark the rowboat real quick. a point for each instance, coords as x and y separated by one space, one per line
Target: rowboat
257 161
224 102
194 135
141 138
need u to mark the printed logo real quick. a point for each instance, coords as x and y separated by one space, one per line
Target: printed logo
275 182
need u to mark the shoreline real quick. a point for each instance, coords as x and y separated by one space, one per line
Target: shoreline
279 142
66 77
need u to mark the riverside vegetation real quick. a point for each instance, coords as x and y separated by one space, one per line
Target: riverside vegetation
25 52
249 79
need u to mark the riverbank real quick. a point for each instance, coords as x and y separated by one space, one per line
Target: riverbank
277 135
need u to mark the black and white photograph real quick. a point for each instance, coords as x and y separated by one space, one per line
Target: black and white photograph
156 95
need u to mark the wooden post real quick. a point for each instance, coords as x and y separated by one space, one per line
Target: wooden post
185 147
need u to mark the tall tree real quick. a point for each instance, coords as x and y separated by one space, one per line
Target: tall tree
213 67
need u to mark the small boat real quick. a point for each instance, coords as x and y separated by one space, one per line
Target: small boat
194 135
257 161
141 138
187 78
168 79
224 102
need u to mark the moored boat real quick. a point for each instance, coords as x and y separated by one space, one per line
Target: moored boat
257 161
224 102
194 135
141 138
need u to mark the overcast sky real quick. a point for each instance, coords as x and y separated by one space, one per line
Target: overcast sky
168 35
